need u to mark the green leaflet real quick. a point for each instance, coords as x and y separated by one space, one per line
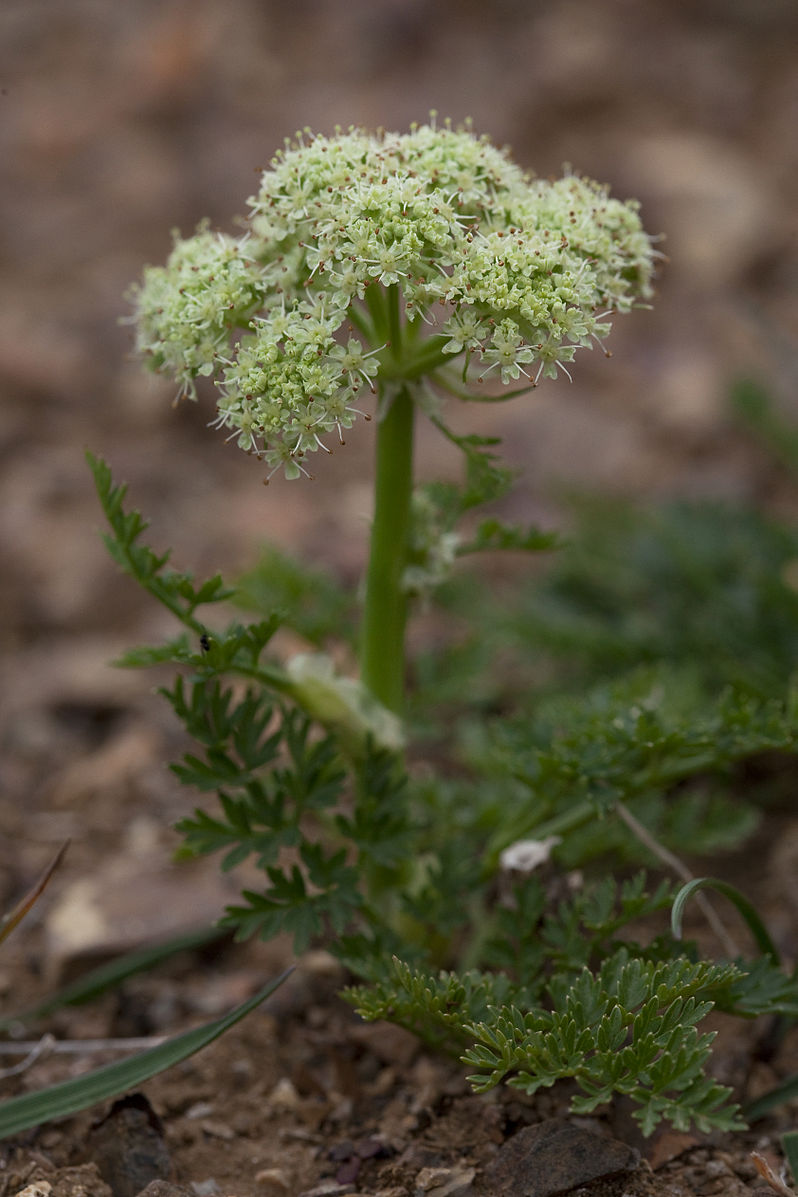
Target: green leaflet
778 1096
629 1029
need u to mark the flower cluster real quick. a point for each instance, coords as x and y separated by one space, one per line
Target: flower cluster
184 312
377 259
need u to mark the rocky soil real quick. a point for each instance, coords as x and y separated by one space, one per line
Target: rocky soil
121 121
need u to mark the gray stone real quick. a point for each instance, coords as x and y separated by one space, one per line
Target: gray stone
553 1157
128 1147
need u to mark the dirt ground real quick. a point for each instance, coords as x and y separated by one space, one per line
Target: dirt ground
119 122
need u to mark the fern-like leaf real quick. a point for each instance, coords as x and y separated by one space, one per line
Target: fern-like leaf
627 1029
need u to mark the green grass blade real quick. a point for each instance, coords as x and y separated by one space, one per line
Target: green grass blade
789 1143
107 976
59 1101
786 1091
755 924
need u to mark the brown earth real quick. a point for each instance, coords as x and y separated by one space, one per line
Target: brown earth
121 121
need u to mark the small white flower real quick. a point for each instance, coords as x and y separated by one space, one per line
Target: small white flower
524 856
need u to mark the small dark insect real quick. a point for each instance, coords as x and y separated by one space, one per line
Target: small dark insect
205 642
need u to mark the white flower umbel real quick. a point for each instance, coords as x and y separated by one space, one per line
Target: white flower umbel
380 258
403 265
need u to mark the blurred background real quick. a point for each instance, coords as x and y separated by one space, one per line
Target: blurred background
122 121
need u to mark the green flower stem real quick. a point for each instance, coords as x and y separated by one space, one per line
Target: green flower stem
359 319
375 302
429 358
394 318
410 365
385 613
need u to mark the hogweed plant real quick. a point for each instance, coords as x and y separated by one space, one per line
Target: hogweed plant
379 276
406 266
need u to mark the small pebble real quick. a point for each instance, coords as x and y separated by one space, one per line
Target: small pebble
216 1129
273 1181
50 1139
445 1182
284 1095
200 1109
327 1188
205 1188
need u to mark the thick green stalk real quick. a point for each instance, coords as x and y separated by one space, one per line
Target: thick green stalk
385 613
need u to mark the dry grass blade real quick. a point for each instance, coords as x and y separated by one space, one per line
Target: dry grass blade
16 916
766 1172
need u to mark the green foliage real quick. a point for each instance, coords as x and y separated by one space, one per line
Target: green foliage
437 1007
628 1029
701 586
440 506
789 1142
614 754
263 800
485 478
493 534
763 989
379 824
307 600
533 941
604 714
174 590
755 409
318 898
527 943
567 997
275 783
778 1096
704 590
642 741
401 874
